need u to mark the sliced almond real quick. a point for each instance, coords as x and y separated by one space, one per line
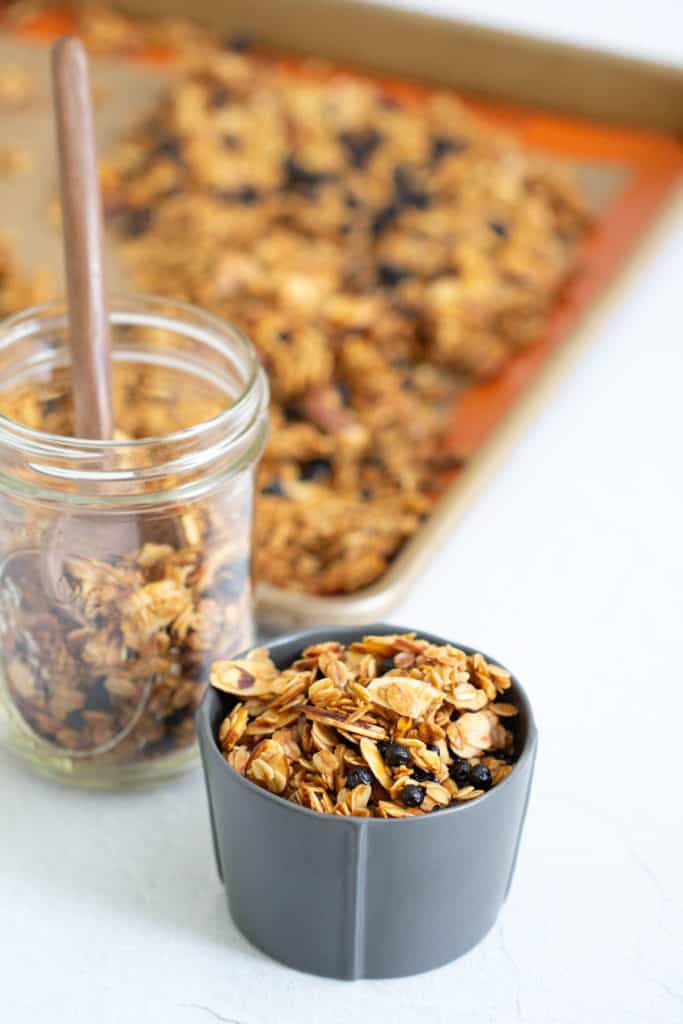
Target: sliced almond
268 767
476 732
504 710
233 727
252 676
404 695
375 762
336 718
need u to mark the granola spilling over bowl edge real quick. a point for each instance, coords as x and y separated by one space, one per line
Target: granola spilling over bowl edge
387 727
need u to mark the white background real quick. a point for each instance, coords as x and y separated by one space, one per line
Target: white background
569 568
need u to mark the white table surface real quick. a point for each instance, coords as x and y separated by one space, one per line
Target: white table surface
569 568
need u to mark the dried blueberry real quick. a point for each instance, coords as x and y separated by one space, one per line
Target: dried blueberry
178 716
389 274
445 145
412 796
383 746
50 405
434 747
219 97
397 756
384 218
299 176
99 698
139 221
238 42
316 469
480 777
460 771
274 489
248 194
291 413
344 392
402 179
358 777
360 145
170 146
419 199
423 776
407 192
74 720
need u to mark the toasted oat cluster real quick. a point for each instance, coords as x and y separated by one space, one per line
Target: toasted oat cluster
380 250
388 727
19 290
16 89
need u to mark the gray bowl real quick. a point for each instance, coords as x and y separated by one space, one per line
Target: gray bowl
362 897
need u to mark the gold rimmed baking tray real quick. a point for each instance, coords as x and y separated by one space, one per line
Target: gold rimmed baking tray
619 120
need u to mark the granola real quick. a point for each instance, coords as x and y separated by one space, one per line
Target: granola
18 290
380 253
16 89
109 623
382 246
386 727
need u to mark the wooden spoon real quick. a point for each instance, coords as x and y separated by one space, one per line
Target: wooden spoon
82 225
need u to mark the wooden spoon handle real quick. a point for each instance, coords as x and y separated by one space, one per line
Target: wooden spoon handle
82 226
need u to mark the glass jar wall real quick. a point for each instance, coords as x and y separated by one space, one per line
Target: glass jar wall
124 564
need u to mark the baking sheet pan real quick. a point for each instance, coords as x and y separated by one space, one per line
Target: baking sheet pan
624 142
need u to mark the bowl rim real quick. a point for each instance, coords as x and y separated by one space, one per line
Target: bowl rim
317 634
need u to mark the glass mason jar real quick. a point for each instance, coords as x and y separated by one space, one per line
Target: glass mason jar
124 564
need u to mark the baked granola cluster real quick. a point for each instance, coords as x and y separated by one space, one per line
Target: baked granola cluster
387 727
380 252
17 289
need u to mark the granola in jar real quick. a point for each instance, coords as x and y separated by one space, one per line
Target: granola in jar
124 565
386 727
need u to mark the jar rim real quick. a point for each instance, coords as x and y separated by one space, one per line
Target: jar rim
212 448
74 443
